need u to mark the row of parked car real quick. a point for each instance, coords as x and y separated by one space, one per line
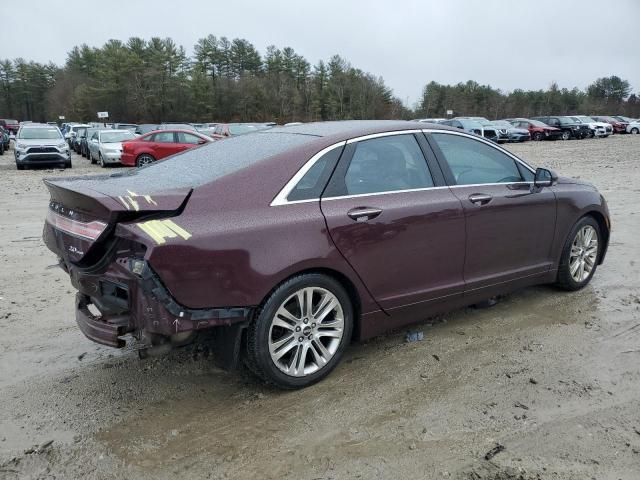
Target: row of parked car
137 145
542 128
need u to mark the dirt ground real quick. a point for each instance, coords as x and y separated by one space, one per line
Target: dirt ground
552 377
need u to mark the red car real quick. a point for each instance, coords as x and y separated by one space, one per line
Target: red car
537 129
11 126
158 145
618 126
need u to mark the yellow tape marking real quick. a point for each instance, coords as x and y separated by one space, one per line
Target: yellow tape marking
159 230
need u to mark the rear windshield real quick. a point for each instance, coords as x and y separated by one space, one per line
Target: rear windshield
39 133
201 165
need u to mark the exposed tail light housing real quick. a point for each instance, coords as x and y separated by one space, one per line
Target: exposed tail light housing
87 230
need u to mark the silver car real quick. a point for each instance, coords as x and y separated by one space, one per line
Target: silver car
105 146
39 144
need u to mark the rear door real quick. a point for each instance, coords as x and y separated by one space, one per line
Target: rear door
164 144
510 224
394 221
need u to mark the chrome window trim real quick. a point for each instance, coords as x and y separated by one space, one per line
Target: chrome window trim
483 140
382 134
281 197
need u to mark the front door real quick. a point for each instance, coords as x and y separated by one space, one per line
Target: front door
509 223
401 232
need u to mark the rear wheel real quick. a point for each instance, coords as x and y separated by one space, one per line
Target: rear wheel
101 160
93 160
635 131
144 159
566 135
580 255
300 332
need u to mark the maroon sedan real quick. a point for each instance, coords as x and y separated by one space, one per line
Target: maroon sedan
158 145
294 241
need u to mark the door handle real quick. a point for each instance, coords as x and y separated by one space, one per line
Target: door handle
362 214
480 198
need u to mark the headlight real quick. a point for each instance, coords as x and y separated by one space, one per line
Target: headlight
62 145
20 145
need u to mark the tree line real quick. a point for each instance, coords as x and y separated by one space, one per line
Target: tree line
230 80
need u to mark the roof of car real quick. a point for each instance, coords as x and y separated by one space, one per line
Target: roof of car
349 128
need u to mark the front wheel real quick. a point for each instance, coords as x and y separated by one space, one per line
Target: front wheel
580 255
635 131
538 136
101 161
300 332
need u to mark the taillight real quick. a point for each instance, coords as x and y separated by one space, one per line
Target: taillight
90 230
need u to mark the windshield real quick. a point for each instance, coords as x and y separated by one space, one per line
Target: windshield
39 134
537 123
503 123
242 129
566 121
576 119
113 137
586 119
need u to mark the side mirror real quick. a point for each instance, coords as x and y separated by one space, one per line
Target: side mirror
545 177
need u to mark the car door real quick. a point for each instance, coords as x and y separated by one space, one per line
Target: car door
390 215
186 140
510 224
94 145
163 144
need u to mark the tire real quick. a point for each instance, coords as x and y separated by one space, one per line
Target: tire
67 164
538 136
101 161
591 134
309 341
574 251
635 131
566 135
144 159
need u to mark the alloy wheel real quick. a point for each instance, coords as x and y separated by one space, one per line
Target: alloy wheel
635 131
144 160
566 135
584 253
306 331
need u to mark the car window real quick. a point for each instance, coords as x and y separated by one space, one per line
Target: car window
313 182
188 138
387 164
163 137
475 162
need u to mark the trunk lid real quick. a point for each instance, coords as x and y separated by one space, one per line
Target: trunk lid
81 218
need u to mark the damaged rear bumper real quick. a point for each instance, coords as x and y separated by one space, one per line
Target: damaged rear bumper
139 305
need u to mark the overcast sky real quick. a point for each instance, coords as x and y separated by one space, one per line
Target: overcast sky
507 44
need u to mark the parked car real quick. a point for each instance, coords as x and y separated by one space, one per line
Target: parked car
538 130
501 133
177 126
84 141
472 126
570 128
160 144
146 128
224 130
514 134
105 146
5 140
41 144
125 126
76 140
623 119
617 125
430 120
597 129
11 126
292 242
72 132
634 127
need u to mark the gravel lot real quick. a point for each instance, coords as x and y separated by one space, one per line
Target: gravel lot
553 377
